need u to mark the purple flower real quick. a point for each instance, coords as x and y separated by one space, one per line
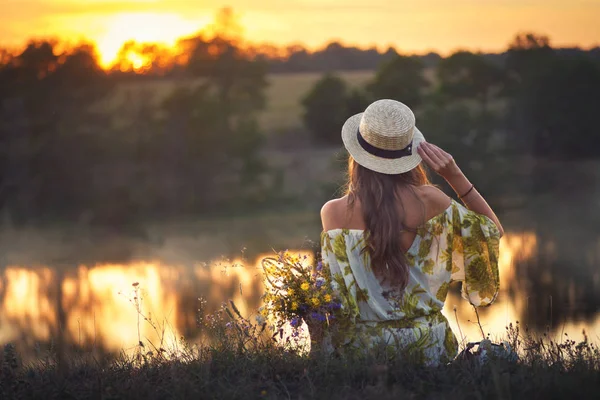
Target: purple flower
320 282
319 266
317 316
294 322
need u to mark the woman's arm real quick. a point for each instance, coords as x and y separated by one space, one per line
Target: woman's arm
445 166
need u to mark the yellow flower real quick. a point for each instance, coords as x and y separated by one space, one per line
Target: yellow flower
291 292
327 298
294 306
305 286
315 301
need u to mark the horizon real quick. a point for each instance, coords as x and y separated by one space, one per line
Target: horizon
438 26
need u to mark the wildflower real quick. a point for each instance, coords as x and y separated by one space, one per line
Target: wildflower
291 291
320 282
294 322
294 306
228 325
327 298
319 266
315 301
305 286
318 316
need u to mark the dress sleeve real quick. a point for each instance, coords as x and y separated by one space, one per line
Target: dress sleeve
475 247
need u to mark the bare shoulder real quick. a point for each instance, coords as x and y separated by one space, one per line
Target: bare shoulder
436 200
332 212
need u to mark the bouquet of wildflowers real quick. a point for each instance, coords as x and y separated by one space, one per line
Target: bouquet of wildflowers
297 291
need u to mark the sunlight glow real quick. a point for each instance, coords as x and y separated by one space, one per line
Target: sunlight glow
160 28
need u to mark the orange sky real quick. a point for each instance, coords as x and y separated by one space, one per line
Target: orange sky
411 26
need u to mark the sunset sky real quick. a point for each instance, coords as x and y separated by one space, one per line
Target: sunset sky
411 26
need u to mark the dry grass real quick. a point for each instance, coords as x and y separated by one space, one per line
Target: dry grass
242 362
285 92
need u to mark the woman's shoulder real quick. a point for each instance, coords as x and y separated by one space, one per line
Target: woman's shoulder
435 200
333 212
334 204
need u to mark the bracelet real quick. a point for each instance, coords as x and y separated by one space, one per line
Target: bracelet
468 191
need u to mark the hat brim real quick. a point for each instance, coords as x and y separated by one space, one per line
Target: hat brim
378 164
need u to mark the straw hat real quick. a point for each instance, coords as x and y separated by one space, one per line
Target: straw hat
384 137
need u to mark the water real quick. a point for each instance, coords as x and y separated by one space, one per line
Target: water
84 293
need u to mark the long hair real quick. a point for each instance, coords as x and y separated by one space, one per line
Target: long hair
379 198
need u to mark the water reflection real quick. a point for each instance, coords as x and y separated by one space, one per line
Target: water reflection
99 304
95 306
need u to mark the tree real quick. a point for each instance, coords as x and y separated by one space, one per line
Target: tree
325 109
211 130
465 75
46 100
144 58
528 55
560 110
554 99
356 101
400 78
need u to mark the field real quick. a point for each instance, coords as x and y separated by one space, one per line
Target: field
284 94
286 91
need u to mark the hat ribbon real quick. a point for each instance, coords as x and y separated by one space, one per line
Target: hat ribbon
383 153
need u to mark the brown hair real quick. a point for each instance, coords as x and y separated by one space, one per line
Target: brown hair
378 196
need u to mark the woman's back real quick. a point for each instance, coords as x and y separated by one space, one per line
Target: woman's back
417 204
394 243
454 245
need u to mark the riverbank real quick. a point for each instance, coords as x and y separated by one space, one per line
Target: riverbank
239 366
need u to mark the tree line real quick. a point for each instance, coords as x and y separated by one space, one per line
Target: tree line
198 151
64 157
539 101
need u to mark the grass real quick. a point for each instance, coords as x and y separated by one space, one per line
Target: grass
242 362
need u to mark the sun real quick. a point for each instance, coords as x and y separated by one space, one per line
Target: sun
163 28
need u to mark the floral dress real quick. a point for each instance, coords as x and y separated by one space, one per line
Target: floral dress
456 245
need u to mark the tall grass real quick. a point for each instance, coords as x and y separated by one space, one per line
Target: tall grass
242 360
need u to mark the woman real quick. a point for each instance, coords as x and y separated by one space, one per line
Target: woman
394 242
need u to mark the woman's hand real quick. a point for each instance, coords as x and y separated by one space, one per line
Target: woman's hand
444 165
438 160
